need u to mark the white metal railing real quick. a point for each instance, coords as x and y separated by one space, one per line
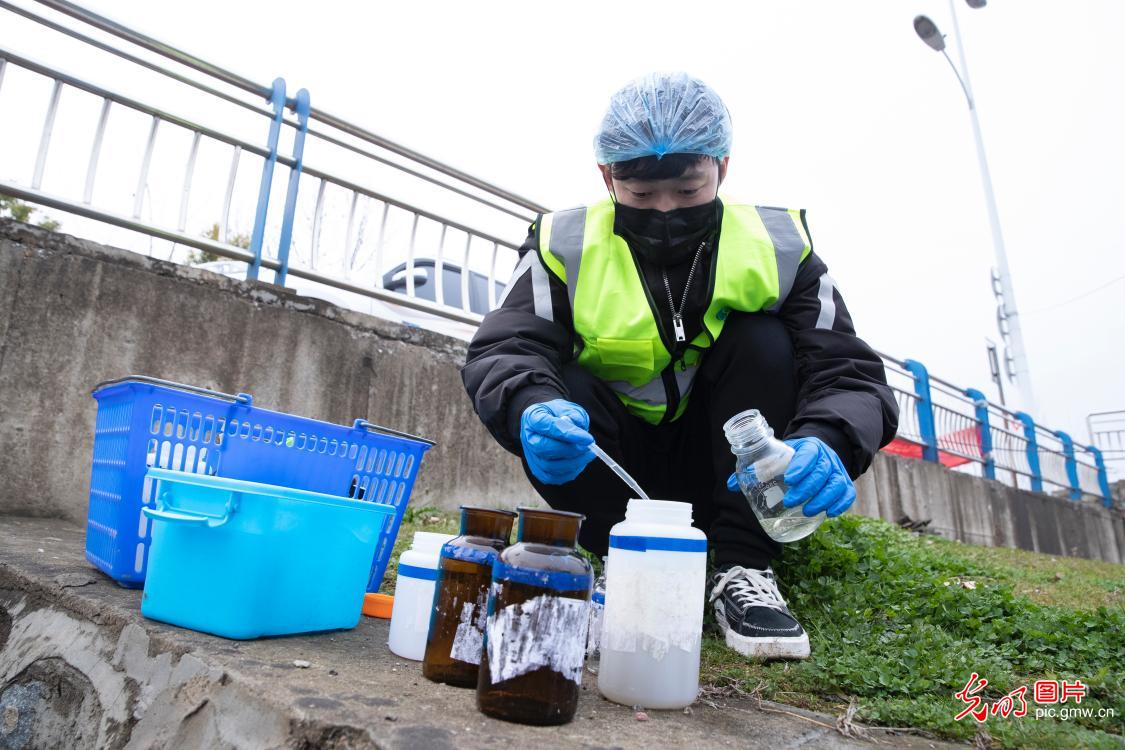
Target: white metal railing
1106 430
343 231
902 384
1009 445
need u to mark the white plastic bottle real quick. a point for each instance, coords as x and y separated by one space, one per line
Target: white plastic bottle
653 618
760 468
414 594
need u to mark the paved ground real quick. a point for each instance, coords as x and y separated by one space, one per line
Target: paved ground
79 663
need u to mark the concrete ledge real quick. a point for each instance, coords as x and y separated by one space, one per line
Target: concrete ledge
80 667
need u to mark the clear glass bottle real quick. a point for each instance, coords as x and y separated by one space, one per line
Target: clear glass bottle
535 639
760 469
597 609
456 634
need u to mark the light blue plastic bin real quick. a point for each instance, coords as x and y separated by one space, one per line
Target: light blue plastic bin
244 560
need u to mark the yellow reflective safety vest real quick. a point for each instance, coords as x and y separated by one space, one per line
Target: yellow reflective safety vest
617 334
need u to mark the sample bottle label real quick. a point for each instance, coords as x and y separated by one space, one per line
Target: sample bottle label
547 579
637 621
773 465
469 554
545 631
414 571
657 544
468 641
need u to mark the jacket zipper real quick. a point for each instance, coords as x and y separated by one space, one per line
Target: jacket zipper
668 374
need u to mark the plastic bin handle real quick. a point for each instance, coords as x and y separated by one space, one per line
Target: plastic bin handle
240 398
176 516
196 519
363 424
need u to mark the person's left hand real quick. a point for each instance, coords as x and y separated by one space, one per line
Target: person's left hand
817 478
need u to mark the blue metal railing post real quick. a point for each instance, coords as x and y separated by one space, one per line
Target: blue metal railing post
1032 450
1103 478
1071 465
925 409
302 108
277 101
980 401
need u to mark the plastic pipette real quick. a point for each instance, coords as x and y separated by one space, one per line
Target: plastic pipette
615 468
618 471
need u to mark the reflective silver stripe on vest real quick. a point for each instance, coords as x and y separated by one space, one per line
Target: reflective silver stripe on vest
788 246
827 317
652 392
567 231
520 270
541 288
540 285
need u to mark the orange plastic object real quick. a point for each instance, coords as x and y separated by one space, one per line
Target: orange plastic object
378 605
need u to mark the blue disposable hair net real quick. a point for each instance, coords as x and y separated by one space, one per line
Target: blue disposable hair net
663 113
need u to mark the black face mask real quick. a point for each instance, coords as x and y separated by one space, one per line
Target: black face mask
666 238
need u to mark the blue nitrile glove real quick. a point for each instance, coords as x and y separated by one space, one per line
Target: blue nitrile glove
555 440
816 477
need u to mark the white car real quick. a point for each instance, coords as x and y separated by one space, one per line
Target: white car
394 281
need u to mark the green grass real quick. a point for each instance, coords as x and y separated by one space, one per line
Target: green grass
1046 579
890 635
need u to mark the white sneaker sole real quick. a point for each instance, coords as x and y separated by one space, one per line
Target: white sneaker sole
765 648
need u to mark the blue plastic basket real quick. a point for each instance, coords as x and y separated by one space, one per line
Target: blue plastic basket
244 560
144 422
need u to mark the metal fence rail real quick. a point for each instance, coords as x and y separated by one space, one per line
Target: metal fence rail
960 428
955 422
335 204
1009 446
1107 432
902 383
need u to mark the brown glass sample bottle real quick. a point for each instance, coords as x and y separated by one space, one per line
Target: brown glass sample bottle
455 640
535 638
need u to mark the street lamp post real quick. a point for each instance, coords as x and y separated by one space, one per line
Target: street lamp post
1007 313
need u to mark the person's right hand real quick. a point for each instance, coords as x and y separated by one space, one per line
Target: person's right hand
555 440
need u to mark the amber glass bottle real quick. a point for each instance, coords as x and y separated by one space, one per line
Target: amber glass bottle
535 638
453 646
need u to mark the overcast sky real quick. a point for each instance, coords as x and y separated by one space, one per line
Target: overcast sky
837 107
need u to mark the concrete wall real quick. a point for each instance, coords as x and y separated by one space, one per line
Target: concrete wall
979 511
73 313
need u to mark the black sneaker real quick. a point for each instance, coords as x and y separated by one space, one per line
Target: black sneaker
753 616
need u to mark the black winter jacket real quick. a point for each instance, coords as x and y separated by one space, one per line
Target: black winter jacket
516 357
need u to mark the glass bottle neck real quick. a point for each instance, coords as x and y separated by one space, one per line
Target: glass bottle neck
754 450
549 527
487 522
749 434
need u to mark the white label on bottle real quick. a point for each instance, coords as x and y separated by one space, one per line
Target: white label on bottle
469 638
773 465
546 631
655 603
773 496
593 636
